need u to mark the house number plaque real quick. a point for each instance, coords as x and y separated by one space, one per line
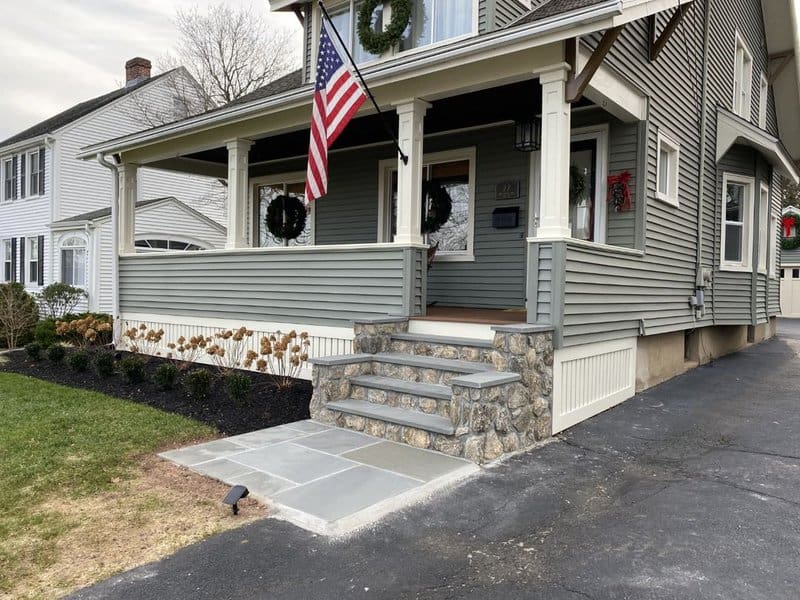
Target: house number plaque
506 190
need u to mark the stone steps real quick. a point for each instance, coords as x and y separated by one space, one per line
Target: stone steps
398 416
424 369
440 346
436 391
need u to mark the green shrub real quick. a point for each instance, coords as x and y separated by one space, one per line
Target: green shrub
104 364
78 361
132 368
237 385
197 383
34 350
58 299
19 314
56 353
45 333
166 375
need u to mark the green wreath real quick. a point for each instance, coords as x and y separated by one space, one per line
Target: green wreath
435 212
376 42
791 243
286 217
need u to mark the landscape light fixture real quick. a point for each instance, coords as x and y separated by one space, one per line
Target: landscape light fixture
237 493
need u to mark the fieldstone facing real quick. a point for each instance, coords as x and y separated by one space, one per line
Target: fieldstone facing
490 421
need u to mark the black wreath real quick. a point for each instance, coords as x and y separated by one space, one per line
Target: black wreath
286 217
439 206
376 42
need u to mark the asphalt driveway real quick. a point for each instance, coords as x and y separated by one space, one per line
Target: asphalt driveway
690 490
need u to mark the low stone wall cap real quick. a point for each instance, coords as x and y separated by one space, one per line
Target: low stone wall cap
522 328
379 319
341 359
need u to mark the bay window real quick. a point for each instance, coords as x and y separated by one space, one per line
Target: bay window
73 261
265 192
737 217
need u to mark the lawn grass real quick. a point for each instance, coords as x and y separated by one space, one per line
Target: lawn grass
66 444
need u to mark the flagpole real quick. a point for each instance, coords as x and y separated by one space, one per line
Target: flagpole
403 156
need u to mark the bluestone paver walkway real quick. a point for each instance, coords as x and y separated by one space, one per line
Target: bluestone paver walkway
690 490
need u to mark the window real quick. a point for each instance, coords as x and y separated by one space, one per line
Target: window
437 20
667 170
345 20
764 219
773 245
455 172
742 79
737 216
36 177
33 260
763 100
783 273
10 178
161 245
73 261
8 261
795 273
265 193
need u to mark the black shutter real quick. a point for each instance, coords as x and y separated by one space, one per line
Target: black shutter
42 173
23 184
40 260
22 260
13 259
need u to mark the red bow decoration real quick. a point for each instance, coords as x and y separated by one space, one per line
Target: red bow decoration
619 192
788 222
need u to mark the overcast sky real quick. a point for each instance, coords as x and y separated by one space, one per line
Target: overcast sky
68 51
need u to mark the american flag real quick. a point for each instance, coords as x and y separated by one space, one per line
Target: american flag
337 97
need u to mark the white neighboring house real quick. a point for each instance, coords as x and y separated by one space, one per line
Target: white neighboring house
55 208
790 270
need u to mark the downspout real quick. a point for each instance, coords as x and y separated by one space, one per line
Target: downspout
701 281
112 166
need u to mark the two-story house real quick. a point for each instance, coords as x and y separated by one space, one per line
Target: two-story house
55 209
611 173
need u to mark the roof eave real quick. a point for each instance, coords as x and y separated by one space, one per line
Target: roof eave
31 141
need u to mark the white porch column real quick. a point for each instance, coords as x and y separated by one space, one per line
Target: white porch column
411 115
126 217
238 180
554 190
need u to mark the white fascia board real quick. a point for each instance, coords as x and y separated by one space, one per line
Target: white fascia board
732 129
73 225
23 144
613 92
413 63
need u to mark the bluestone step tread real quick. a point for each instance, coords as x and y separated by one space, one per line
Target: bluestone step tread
444 340
430 362
391 414
427 390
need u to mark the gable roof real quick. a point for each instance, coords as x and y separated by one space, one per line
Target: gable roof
76 112
281 84
554 8
106 212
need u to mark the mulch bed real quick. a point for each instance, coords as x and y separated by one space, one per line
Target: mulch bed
267 405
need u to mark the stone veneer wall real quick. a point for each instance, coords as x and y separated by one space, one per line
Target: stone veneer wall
490 420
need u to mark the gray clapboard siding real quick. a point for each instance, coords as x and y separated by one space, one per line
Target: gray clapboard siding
790 257
623 148
315 286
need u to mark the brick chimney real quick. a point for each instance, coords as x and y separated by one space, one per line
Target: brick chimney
136 70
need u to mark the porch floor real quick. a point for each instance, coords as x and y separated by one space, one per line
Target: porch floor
323 478
488 316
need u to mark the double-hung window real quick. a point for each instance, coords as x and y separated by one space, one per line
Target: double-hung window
742 79
33 260
437 20
8 260
667 170
737 217
73 261
454 172
763 100
36 170
10 189
345 20
764 219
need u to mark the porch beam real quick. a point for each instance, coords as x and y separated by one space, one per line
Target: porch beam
554 168
126 217
238 151
411 115
578 82
657 45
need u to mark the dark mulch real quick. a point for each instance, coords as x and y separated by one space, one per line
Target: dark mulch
267 405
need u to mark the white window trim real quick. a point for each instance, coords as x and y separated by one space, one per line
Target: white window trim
29 258
388 165
763 101
289 177
746 111
15 191
6 258
747 224
87 274
774 223
29 174
599 133
763 228
672 197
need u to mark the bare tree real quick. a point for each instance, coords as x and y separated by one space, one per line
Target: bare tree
791 194
232 51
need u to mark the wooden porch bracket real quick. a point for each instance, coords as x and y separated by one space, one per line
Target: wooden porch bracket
577 82
777 63
657 45
298 12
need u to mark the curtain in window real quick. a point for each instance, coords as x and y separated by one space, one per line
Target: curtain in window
452 18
